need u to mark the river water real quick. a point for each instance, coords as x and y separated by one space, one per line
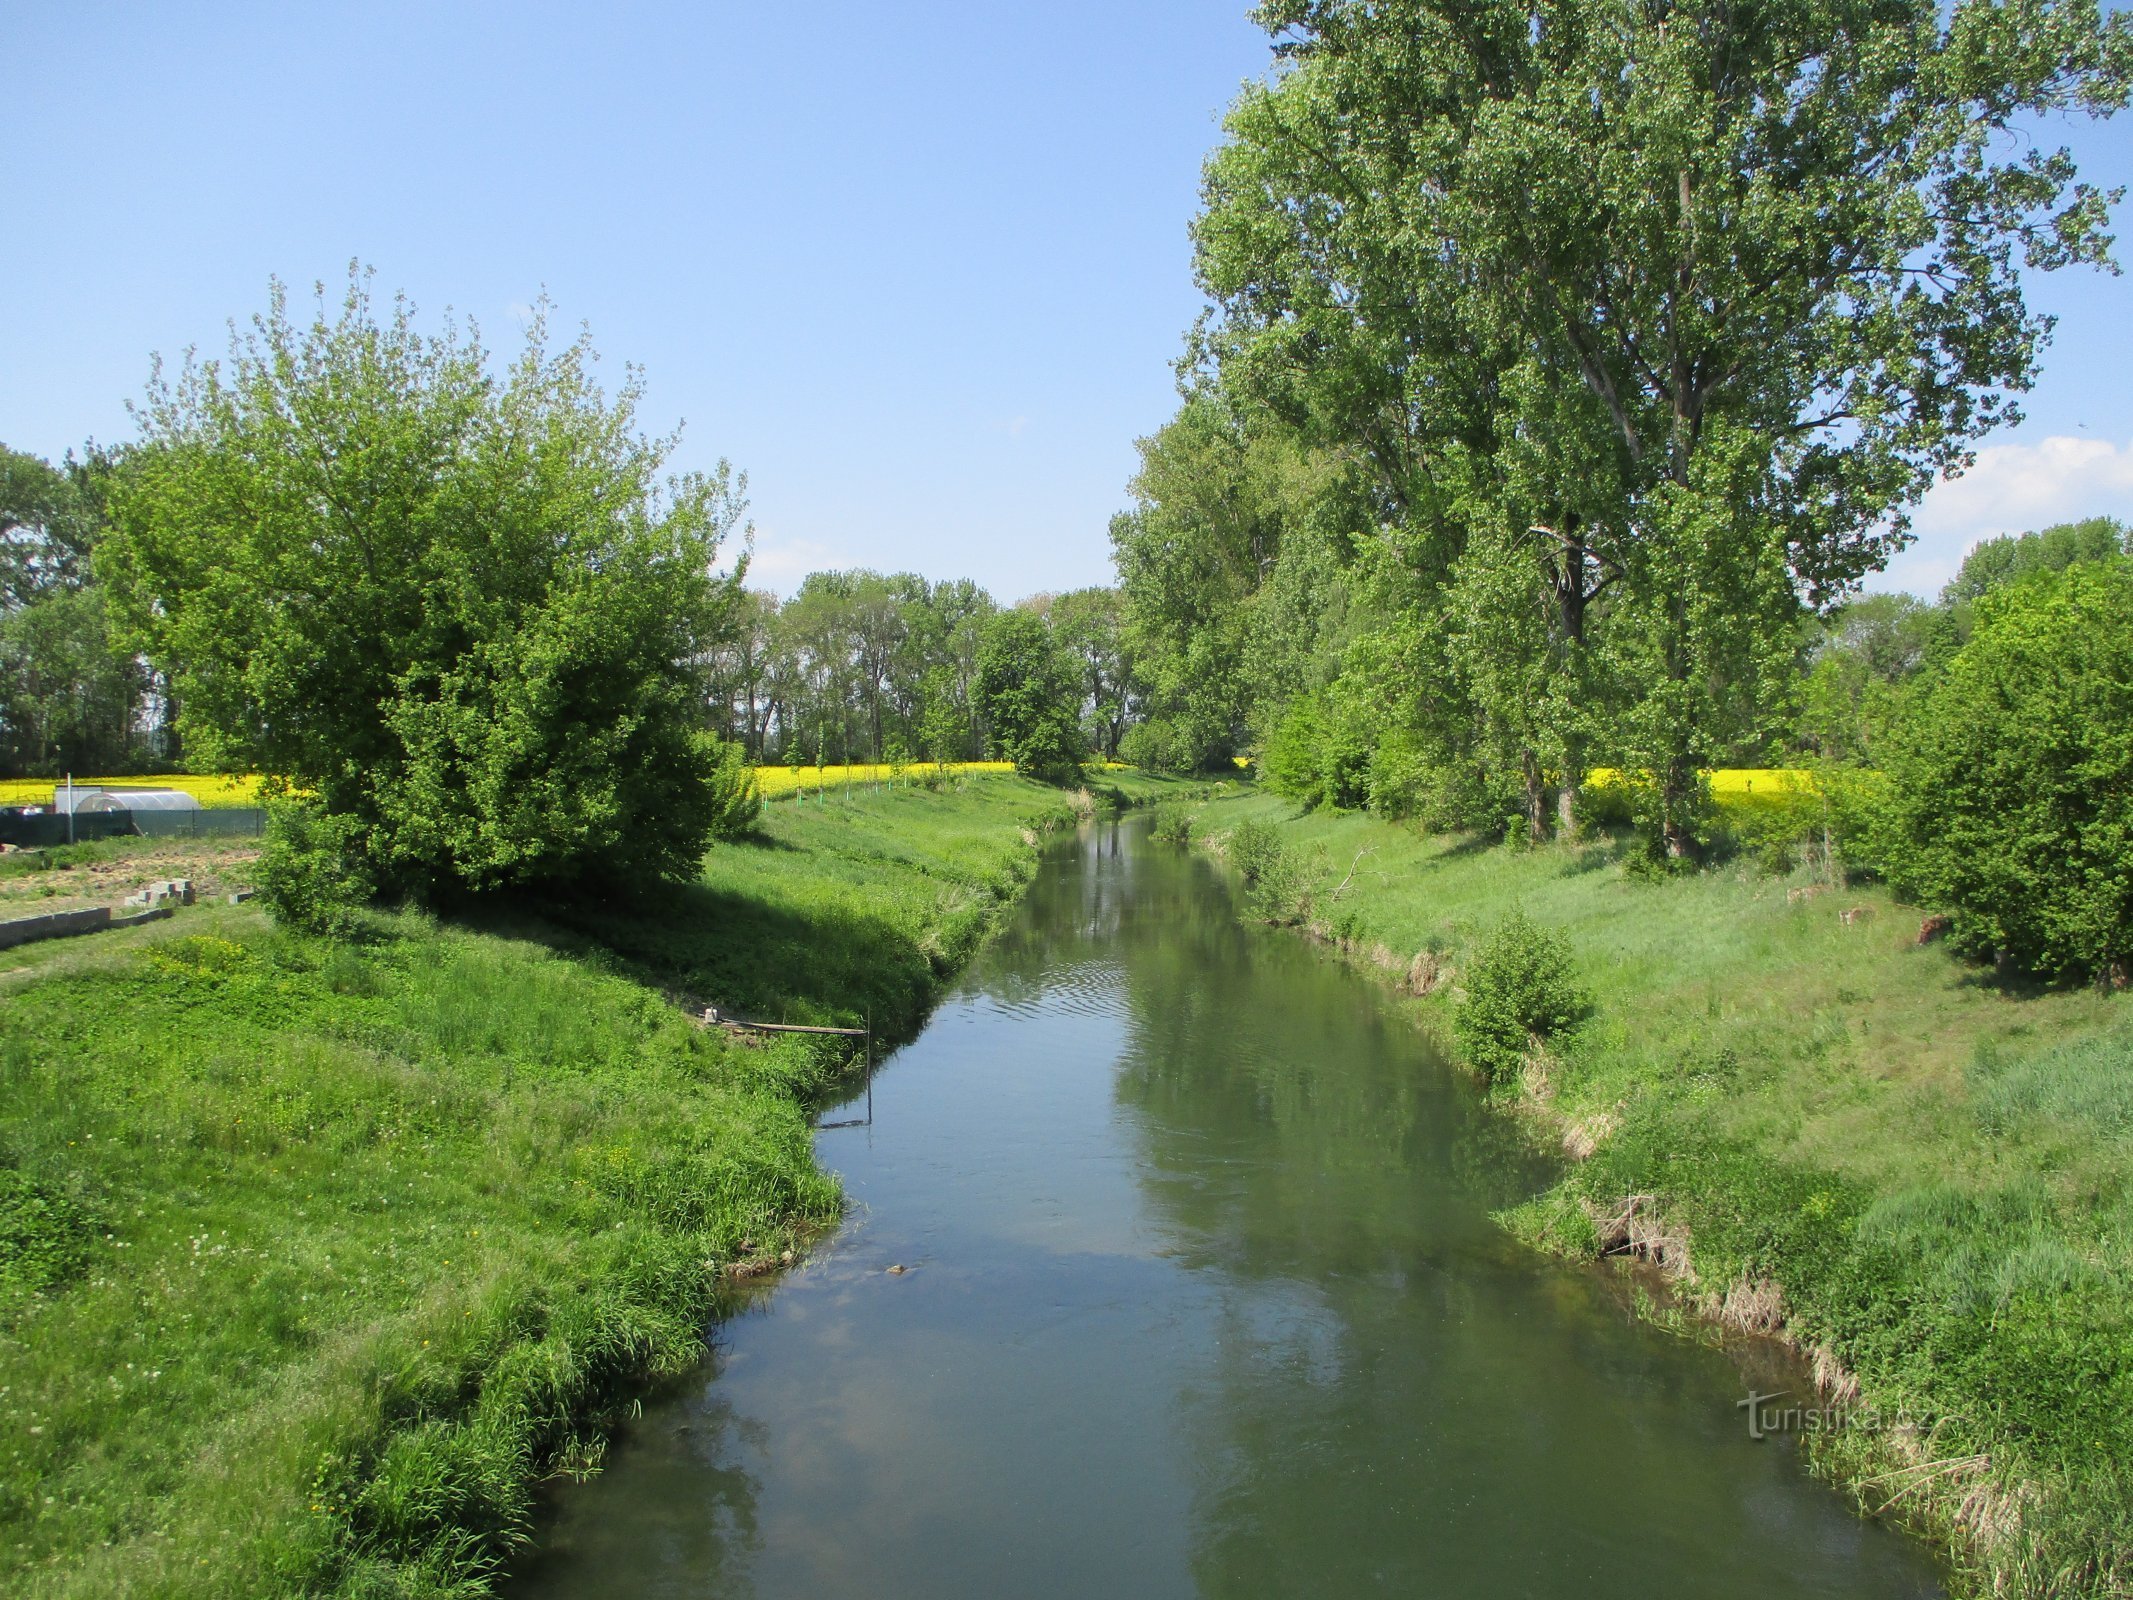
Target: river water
1201 1298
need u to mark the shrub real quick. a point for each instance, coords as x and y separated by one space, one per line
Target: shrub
456 605
1172 825
1318 756
1153 746
1273 884
315 871
736 797
1520 989
1412 777
2012 778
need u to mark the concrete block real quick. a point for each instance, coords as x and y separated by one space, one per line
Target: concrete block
53 925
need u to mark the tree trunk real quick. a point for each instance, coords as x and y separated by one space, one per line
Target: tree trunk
1536 795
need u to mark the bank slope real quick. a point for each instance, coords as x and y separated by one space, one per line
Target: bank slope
316 1257
1837 1133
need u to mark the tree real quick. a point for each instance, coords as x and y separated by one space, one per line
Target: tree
1031 697
1088 625
1677 307
49 520
70 697
459 608
2012 557
1857 668
2013 777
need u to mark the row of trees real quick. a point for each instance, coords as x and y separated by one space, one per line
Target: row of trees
72 695
1566 362
472 629
858 666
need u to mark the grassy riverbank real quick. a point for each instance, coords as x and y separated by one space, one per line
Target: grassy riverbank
315 1257
1916 1171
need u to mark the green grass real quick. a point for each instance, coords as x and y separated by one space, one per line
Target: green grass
315 1258
1932 1165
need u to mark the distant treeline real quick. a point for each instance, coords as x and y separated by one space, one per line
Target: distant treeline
73 697
855 667
859 666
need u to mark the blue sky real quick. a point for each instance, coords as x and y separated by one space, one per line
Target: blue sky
920 270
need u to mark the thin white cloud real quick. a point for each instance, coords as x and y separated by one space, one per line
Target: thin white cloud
2013 488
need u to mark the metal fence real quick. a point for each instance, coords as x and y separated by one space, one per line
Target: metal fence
43 829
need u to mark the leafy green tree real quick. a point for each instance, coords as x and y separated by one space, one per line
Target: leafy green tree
70 697
1089 625
1031 697
1857 668
2012 804
49 520
2013 557
1676 309
460 608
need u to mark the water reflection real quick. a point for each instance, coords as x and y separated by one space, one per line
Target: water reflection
1204 1300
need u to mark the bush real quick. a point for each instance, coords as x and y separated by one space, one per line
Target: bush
1273 884
1412 777
1317 756
1520 990
1172 824
1153 746
457 606
736 798
2012 778
315 872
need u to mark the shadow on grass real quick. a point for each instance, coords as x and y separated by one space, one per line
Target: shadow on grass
703 946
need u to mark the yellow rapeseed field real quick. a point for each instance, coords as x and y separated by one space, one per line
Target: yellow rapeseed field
778 782
210 791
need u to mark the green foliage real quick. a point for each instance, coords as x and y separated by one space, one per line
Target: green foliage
1171 824
50 519
1593 506
1520 988
2012 784
70 696
1853 689
1030 694
1155 746
1995 563
736 798
1272 877
463 610
44 1239
313 872
1318 755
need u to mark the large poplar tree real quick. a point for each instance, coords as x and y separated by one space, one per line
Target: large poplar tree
1654 317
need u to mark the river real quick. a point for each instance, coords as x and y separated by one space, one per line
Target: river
1201 1297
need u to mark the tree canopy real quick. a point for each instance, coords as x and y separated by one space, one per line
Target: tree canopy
458 606
1646 324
